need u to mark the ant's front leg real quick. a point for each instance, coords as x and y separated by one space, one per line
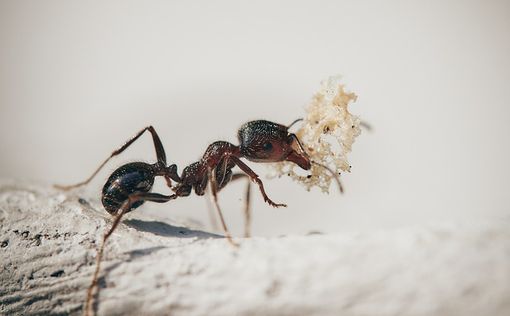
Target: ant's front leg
160 153
254 177
126 207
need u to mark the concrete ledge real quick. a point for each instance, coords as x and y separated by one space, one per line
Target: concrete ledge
48 242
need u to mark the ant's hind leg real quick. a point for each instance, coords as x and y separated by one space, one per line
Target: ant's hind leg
126 206
160 153
247 200
254 177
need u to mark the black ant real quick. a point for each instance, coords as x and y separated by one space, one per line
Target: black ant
129 186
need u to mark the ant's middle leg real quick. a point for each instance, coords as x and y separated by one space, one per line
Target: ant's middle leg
255 178
126 207
247 210
211 175
160 154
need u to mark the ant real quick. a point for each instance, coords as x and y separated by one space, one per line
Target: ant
129 186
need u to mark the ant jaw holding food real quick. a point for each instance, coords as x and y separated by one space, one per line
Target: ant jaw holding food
299 159
298 155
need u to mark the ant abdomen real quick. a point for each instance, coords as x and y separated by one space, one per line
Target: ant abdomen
127 179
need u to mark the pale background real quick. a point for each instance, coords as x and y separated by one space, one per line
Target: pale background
79 78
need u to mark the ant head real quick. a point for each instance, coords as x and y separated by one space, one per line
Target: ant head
264 141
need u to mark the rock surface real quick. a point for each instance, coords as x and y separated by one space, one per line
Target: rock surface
48 242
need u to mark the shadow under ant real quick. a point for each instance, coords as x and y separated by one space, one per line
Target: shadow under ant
157 227
167 230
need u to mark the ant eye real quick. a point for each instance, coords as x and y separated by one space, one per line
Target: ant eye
267 146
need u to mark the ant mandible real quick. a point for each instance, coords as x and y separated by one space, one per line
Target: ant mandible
129 186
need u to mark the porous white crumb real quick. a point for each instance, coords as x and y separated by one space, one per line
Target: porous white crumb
327 134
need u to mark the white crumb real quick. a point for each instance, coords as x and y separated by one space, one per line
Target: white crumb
327 134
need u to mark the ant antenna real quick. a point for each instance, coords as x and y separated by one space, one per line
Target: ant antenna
365 125
298 120
334 174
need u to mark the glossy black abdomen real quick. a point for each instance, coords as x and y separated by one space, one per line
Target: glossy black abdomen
127 179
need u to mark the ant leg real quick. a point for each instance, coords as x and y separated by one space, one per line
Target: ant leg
213 222
160 154
255 178
126 206
247 211
211 174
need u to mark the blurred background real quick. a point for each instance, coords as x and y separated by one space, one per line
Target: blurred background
77 79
